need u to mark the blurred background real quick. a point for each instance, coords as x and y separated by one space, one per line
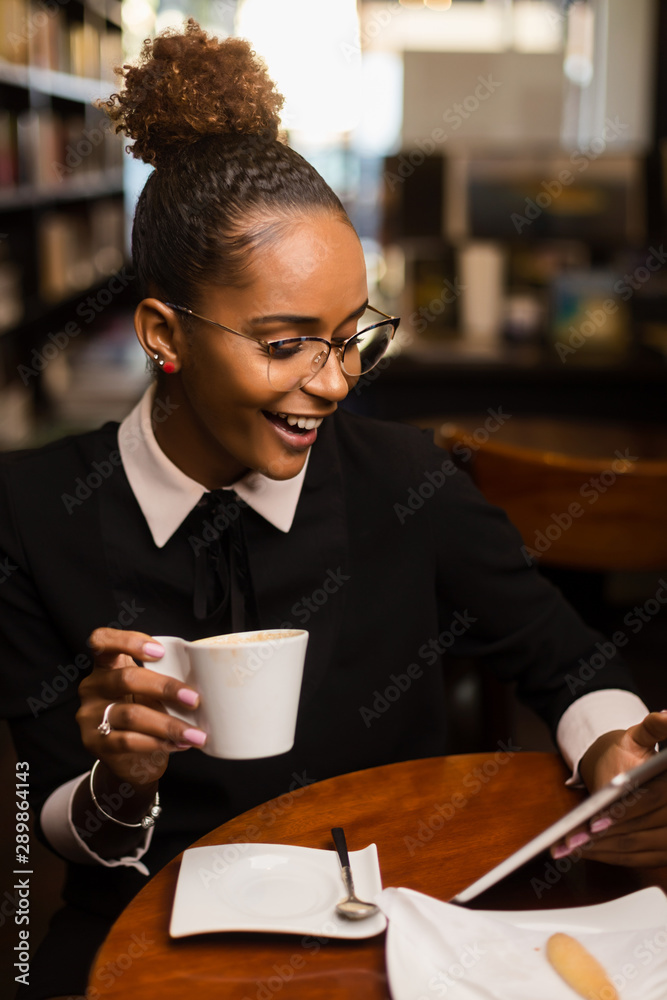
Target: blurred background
504 162
505 165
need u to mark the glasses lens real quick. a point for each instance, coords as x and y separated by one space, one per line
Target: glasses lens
367 348
292 363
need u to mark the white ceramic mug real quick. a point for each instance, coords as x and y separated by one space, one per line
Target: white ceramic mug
249 685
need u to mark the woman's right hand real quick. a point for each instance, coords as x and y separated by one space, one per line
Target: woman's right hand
143 734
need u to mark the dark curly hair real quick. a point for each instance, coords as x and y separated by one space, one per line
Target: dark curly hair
204 112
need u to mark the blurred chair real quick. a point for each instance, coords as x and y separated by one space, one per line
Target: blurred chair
573 509
584 497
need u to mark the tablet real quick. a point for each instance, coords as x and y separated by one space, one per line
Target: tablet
602 799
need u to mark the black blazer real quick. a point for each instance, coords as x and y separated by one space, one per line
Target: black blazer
393 560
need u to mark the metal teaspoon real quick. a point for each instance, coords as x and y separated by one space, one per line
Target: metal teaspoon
352 908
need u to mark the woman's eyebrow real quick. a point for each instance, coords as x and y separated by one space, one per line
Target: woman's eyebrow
287 318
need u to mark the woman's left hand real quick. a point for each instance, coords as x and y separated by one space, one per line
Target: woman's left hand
633 831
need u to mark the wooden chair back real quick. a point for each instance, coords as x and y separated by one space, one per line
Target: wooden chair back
599 514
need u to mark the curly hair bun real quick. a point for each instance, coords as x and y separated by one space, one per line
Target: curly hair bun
186 86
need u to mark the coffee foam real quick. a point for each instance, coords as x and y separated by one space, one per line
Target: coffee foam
236 638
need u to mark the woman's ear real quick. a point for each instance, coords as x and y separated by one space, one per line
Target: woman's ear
159 333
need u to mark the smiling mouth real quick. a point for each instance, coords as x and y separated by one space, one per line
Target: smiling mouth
295 423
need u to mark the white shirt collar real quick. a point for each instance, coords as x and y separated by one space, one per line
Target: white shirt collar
166 495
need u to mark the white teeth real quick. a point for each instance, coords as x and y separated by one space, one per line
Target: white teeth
303 423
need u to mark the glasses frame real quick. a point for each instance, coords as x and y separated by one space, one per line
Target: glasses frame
340 349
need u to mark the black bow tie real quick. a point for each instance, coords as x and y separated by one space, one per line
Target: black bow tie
222 574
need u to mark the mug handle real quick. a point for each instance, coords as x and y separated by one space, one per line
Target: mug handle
175 663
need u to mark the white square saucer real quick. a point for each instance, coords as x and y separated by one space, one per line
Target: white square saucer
272 887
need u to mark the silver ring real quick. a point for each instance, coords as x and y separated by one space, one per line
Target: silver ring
105 726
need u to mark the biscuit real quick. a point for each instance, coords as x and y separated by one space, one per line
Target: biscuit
579 969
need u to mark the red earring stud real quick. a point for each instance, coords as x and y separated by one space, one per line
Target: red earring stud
166 366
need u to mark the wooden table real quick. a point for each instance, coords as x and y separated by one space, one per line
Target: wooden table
438 824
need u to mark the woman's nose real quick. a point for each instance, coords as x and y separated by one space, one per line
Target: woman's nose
331 382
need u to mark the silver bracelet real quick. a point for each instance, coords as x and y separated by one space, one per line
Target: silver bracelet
146 821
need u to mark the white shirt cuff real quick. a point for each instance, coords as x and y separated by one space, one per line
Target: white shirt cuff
592 715
59 830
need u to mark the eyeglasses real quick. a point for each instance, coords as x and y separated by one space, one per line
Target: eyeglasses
292 363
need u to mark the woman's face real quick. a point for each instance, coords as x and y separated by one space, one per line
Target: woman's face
310 282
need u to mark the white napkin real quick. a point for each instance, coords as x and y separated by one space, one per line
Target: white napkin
436 949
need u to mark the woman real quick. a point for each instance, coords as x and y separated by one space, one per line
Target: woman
126 533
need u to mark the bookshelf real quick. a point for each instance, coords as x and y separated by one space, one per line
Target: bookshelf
61 181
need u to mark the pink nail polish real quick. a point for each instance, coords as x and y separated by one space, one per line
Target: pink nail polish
195 736
561 851
598 825
188 697
183 746
577 840
153 649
